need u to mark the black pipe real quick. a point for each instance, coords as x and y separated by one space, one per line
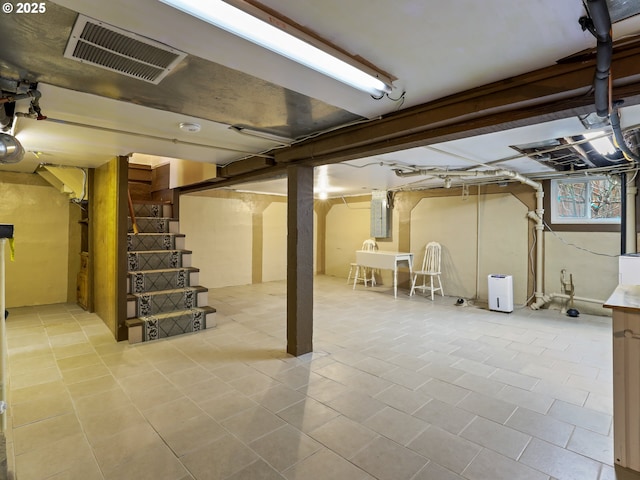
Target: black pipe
617 132
599 13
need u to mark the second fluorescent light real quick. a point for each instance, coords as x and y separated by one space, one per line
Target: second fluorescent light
255 30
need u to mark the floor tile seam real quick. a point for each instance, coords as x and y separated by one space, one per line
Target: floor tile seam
571 452
463 473
566 447
147 422
101 362
375 438
66 389
260 456
413 412
52 474
589 411
178 457
292 467
82 432
481 448
457 404
530 438
475 416
107 470
49 417
368 444
537 380
497 397
239 440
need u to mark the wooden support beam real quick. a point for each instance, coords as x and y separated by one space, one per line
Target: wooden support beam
300 260
555 92
527 99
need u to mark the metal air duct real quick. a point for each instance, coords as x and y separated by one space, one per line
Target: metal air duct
11 150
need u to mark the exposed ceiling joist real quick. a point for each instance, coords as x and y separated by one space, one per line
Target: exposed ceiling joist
559 91
546 91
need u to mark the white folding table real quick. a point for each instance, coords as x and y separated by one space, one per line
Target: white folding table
385 261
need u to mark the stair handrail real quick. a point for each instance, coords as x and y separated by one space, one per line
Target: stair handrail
132 213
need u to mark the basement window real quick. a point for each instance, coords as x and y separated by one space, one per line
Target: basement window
586 200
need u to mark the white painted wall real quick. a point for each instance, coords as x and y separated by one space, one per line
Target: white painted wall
450 221
594 276
347 227
453 222
503 243
274 231
219 232
40 214
477 239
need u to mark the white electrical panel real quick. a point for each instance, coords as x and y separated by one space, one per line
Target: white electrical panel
501 293
380 215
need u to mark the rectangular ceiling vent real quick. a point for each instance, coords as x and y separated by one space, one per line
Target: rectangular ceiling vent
621 9
106 46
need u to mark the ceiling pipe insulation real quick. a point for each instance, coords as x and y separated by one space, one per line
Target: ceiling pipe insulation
599 24
601 28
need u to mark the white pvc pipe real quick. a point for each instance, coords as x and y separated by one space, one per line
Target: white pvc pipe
3 344
552 296
631 243
537 217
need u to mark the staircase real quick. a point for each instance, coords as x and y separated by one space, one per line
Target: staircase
164 298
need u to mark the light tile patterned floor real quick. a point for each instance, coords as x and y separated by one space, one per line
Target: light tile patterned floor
396 389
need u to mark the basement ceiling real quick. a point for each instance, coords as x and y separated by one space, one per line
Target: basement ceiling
223 81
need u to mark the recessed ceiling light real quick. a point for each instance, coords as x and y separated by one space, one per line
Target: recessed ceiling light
190 127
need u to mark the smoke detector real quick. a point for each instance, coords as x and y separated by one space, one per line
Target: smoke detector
190 127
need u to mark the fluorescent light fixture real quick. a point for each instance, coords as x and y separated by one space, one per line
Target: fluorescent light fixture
259 134
253 29
601 142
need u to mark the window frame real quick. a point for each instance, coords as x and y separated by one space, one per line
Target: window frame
587 220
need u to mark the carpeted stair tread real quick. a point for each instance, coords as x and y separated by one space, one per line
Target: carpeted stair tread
151 234
161 302
159 251
149 241
149 280
177 322
176 313
165 270
157 259
151 224
195 288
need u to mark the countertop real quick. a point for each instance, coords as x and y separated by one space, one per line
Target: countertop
624 296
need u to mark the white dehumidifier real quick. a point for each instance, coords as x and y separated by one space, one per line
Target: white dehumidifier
501 293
